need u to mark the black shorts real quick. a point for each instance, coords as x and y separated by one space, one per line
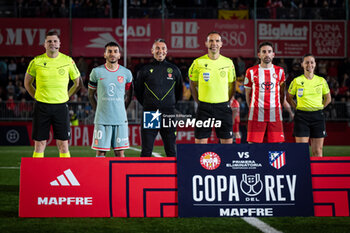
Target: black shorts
309 124
218 111
46 115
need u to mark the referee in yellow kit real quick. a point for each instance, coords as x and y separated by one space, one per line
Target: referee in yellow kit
51 72
212 86
313 95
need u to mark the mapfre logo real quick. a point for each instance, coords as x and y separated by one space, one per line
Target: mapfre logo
66 179
210 160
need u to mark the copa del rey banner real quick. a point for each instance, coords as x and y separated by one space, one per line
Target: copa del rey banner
244 180
185 38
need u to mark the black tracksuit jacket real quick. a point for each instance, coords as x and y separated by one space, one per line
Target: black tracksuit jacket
158 86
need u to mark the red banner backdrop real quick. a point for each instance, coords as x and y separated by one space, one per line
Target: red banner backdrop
64 188
328 39
185 38
91 35
331 185
295 38
25 37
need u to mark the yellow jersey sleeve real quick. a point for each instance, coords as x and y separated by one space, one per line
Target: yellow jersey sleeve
73 70
325 88
193 72
292 88
232 74
31 68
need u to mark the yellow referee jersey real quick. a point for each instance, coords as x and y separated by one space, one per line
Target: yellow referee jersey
309 93
213 77
52 77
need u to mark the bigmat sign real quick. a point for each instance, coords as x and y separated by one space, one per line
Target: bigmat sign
295 38
244 180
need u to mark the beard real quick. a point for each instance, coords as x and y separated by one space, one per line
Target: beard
267 60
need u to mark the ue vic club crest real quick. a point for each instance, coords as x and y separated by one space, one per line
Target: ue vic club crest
277 159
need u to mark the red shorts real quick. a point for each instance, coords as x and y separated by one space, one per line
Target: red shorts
257 129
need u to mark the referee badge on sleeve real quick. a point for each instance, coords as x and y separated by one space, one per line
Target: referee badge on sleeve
246 81
300 92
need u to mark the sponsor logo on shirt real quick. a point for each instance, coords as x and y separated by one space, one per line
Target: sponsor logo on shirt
267 86
170 77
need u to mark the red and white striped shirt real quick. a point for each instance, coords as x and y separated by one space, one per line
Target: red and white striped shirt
265 95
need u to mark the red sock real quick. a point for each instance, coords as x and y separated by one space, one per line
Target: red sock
238 141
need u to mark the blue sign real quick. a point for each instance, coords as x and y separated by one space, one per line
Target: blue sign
244 180
151 119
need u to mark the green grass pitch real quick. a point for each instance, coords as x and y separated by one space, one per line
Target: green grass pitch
10 158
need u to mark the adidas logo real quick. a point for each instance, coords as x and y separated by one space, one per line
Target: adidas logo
68 179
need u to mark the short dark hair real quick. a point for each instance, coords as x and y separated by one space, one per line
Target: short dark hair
213 32
265 43
308 55
113 44
159 40
52 33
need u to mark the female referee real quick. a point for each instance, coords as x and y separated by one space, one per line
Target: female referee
312 95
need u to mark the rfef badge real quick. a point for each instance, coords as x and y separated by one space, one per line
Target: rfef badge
151 119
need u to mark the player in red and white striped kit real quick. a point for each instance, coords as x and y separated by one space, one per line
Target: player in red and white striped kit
264 88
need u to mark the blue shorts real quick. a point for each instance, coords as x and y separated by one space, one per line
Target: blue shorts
107 136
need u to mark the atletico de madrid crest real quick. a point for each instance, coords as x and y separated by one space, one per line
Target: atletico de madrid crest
277 159
120 79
